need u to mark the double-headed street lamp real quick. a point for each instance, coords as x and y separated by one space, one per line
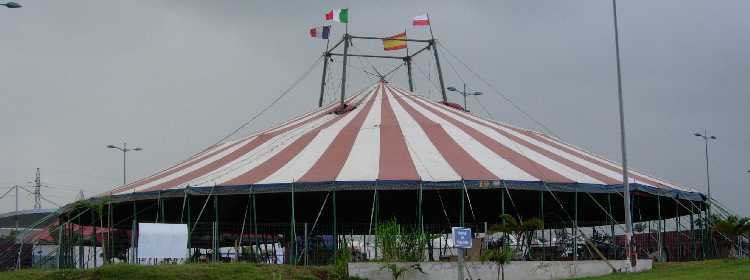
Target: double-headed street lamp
706 137
464 93
124 149
11 5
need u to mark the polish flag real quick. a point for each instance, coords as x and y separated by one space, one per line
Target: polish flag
421 20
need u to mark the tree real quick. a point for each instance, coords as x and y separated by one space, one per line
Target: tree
501 256
732 227
522 232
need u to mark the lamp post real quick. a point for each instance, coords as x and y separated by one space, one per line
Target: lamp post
465 94
11 5
124 149
706 138
630 247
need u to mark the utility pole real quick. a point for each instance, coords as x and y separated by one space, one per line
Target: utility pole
38 190
16 213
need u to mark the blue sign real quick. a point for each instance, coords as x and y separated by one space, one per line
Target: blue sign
461 237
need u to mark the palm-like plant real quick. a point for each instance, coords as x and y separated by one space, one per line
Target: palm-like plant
732 227
501 256
522 231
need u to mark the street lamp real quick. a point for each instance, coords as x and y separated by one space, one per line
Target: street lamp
11 5
124 149
464 93
706 137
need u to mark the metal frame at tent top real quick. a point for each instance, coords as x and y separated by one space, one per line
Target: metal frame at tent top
346 38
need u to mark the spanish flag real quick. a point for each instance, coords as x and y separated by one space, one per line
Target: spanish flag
395 42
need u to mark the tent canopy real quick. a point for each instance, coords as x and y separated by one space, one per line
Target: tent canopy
396 139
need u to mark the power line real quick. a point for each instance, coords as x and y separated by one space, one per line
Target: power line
498 92
284 93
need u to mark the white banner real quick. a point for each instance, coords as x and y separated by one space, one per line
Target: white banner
162 240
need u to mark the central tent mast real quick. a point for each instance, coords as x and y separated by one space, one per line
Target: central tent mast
346 40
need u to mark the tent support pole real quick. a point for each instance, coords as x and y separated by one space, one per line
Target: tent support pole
133 228
333 204
678 224
433 42
109 233
660 237
541 217
161 208
343 70
408 73
575 225
463 197
216 230
420 215
293 233
692 234
189 224
703 232
323 80
93 223
612 223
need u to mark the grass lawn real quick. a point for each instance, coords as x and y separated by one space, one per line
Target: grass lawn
712 270
176 272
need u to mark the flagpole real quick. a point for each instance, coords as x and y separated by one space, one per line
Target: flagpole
326 57
429 23
437 60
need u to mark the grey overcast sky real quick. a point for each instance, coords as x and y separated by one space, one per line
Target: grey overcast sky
175 76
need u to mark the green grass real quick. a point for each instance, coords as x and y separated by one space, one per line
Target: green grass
711 270
173 272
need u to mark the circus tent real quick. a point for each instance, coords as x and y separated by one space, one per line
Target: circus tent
395 139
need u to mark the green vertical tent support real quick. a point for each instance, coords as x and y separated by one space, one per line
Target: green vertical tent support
692 234
420 218
242 230
161 208
702 217
133 236
215 233
189 223
293 233
677 230
541 217
93 237
79 244
108 250
335 234
575 225
463 197
612 223
376 210
502 206
660 237
254 225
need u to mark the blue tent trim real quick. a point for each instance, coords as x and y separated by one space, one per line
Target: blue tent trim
410 185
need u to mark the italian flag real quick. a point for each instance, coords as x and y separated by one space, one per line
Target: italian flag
338 15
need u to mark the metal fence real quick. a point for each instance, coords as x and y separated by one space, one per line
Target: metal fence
74 246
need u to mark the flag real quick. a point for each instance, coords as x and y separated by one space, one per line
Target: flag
338 15
420 20
321 32
395 42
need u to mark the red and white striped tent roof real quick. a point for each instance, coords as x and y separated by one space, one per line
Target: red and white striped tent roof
392 135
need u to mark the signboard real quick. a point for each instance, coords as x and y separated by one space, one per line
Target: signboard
461 237
162 240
